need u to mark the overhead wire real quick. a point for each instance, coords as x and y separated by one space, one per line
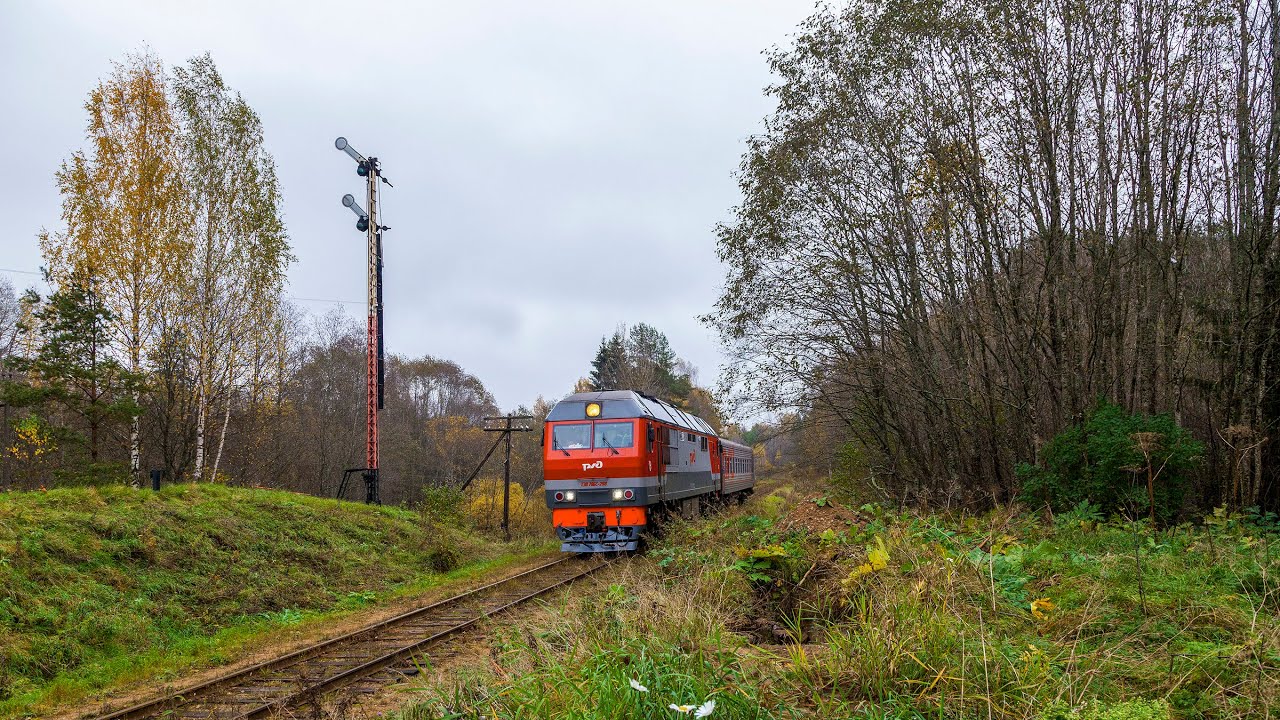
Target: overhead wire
288 297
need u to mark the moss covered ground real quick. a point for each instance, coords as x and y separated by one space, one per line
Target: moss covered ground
104 587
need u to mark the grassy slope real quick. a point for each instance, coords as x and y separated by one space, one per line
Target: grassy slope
939 625
104 586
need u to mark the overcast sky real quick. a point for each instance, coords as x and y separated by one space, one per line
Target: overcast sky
559 167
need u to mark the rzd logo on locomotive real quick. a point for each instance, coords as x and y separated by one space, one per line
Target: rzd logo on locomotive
593 466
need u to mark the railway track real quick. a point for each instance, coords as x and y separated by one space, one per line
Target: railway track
277 685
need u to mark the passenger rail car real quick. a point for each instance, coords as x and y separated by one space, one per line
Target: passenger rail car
615 461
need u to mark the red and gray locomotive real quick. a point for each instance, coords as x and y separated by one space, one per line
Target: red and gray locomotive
615 461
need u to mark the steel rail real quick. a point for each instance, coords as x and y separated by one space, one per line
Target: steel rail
195 693
348 676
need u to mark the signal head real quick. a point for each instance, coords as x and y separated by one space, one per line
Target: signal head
349 201
342 144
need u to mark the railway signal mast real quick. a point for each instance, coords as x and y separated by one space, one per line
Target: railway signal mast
367 222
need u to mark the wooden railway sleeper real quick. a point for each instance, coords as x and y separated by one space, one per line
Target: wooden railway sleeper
212 694
385 661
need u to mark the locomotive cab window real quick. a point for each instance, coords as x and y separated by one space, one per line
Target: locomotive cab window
571 437
615 435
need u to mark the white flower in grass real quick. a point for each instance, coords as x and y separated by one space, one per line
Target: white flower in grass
699 711
635 685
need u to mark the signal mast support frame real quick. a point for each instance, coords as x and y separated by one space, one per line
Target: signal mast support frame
375 365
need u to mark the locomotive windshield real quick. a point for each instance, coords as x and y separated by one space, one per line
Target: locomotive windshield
571 437
614 435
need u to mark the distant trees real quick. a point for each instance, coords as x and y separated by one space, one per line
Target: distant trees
640 358
429 433
966 222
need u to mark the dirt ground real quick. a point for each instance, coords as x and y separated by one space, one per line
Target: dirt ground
817 514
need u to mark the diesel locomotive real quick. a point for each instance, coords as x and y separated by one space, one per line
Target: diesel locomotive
616 461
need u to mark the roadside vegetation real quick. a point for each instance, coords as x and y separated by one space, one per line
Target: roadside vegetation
800 605
104 587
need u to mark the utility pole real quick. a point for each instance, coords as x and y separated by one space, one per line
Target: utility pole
375 369
505 424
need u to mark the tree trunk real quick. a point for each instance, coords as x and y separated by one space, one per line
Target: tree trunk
201 411
226 416
222 437
135 429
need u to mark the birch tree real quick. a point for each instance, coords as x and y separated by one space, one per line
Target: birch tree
236 271
122 203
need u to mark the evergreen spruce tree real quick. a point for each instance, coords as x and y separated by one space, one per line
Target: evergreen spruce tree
609 369
71 371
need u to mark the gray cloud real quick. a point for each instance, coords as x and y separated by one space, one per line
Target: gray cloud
559 166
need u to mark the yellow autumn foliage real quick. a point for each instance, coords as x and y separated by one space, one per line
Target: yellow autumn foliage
1041 607
877 560
31 440
529 513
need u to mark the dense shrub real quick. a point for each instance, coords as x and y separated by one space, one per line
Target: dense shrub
1102 460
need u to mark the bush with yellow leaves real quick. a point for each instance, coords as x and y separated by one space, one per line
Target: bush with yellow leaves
482 505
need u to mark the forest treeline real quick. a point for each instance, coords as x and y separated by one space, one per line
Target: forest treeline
300 432
970 225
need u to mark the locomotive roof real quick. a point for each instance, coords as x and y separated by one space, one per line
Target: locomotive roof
615 404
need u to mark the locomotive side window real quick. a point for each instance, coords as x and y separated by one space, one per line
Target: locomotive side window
704 444
571 437
615 435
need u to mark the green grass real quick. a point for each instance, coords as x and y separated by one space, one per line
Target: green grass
101 587
900 615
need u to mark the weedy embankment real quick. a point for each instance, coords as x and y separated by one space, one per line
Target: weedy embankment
101 588
799 606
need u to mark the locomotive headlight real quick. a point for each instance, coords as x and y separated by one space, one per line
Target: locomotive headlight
570 496
617 494
593 410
